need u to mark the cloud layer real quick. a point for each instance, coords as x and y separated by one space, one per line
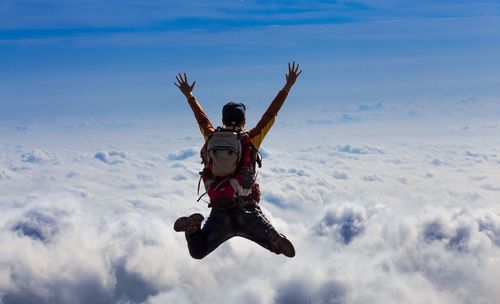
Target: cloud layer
409 219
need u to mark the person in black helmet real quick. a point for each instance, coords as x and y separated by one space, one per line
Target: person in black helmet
241 215
233 114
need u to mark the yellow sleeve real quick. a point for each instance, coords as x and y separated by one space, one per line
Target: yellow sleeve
259 138
258 133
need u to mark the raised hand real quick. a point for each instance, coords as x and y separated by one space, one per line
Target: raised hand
291 76
183 85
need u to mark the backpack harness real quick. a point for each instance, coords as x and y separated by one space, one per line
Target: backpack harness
230 160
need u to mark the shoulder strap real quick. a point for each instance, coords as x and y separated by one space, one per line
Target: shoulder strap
253 156
218 129
257 156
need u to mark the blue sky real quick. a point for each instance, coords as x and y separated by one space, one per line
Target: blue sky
66 58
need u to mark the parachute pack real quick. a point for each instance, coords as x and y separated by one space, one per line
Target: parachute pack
229 172
224 151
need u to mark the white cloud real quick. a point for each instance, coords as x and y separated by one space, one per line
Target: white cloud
4 174
340 175
304 289
111 157
182 154
358 150
343 223
36 156
80 231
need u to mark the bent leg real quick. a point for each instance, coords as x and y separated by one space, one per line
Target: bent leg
253 225
217 229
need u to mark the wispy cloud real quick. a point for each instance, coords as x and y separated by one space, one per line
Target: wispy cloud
66 57
67 20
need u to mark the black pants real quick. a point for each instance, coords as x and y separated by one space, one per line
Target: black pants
221 225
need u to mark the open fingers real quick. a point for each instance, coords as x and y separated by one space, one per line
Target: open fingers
293 67
180 79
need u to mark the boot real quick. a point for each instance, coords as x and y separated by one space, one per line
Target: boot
189 224
280 243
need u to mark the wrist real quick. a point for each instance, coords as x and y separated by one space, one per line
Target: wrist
287 87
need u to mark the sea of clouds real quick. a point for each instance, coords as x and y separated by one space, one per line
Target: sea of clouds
384 204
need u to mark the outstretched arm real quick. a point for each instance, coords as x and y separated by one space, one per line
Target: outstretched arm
258 133
201 117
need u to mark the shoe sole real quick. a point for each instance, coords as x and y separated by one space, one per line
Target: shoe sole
281 244
187 222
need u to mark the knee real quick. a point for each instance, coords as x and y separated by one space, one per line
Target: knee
197 255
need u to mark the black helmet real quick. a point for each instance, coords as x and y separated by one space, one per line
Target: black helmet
233 114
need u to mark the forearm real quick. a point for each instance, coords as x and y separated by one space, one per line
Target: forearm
287 87
275 105
201 117
270 114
